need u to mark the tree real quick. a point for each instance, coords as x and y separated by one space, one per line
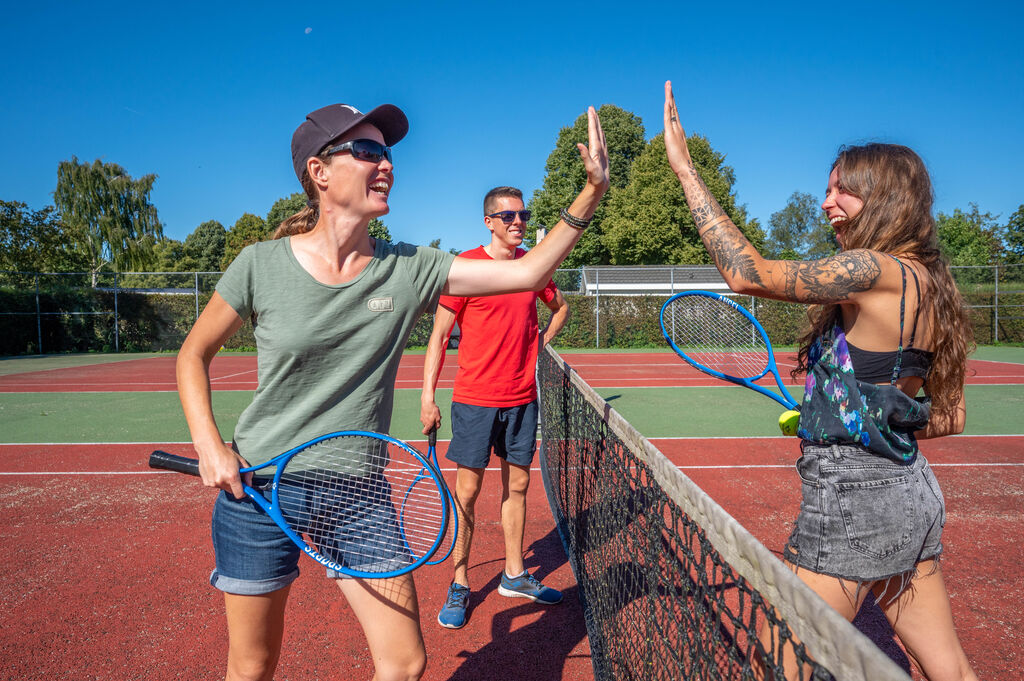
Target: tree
284 209
110 213
566 176
800 230
969 238
648 222
1013 238
378 230
248 230
36 241
205 247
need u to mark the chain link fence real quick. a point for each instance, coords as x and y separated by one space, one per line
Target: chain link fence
612 307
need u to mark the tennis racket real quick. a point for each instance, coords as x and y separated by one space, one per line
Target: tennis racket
723 339
424 478
340 491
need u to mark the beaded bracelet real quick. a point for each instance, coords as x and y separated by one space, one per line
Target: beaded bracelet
574 221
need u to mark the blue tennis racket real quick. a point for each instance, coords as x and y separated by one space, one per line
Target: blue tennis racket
723 339
341 492
445 549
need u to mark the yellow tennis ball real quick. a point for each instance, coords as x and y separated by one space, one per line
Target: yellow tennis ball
789 422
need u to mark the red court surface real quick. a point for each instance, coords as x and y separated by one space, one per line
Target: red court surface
107 562
238 372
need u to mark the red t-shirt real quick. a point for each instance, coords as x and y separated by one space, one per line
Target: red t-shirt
498 347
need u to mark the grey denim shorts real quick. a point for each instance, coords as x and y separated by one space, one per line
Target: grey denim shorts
864 517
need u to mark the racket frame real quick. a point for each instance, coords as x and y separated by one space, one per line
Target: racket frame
181 464
785 399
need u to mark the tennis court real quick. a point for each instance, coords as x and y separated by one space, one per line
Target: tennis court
107 560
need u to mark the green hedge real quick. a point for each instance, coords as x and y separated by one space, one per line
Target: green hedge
81 319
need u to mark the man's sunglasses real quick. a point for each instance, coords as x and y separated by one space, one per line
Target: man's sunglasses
509 216
364 150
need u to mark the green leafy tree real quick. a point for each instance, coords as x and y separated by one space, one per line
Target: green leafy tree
110 212
1013 238
648 222
566 176
37 241
171 255
378 230
284 209
800 230
248 230
205 247
969 238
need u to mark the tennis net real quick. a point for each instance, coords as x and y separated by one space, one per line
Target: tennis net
672 586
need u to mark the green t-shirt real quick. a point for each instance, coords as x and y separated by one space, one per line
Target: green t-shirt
327 355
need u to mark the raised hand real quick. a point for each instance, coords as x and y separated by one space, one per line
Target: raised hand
595 153
675 136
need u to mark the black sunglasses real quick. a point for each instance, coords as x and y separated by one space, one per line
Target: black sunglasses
364 150
508 216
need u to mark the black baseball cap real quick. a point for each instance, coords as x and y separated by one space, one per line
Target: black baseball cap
325 125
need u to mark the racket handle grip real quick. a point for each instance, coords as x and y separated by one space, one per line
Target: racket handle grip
172 462
432 437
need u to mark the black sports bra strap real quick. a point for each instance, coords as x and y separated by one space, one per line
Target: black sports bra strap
903 308
917 310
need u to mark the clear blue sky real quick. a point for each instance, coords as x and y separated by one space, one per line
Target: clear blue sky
207 96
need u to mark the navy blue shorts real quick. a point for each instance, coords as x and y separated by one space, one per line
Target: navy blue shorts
510 431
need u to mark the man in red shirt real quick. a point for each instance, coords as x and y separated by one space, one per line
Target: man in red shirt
494 404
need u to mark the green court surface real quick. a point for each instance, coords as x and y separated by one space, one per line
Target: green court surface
656 412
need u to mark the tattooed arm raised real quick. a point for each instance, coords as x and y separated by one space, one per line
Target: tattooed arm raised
830 280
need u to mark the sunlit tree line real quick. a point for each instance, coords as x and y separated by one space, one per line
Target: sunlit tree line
103 220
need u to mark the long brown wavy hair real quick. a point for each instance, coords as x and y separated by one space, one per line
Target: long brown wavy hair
893 183
305 219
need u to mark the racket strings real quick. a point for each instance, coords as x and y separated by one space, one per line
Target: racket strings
716 335
344 495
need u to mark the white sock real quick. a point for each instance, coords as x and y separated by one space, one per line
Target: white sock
515 576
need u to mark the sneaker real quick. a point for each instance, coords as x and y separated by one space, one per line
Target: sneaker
528 586
453 614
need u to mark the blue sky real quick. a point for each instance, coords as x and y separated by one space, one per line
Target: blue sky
206 95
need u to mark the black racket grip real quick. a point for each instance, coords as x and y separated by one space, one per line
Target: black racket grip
173 462
432 437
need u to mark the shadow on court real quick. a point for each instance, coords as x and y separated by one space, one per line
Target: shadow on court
539 650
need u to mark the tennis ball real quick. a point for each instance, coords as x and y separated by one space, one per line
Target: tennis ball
789 422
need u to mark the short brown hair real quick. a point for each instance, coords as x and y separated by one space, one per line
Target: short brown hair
497 193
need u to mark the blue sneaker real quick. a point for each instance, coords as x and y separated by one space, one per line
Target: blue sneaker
453 614
528 586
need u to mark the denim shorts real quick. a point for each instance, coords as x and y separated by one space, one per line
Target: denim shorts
863 517
511 431
254 556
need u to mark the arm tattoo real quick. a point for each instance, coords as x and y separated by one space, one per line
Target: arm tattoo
705 209
731 251
834 279
724 241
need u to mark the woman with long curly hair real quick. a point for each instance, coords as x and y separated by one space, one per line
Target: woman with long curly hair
886 323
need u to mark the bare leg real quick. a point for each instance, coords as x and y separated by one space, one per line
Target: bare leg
255 630
843 596
467 489
388 611
515 481
923 619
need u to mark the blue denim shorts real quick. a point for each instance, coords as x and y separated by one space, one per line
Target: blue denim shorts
511 431
254 556
863 517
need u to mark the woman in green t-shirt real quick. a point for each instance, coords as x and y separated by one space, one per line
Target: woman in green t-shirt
304 292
